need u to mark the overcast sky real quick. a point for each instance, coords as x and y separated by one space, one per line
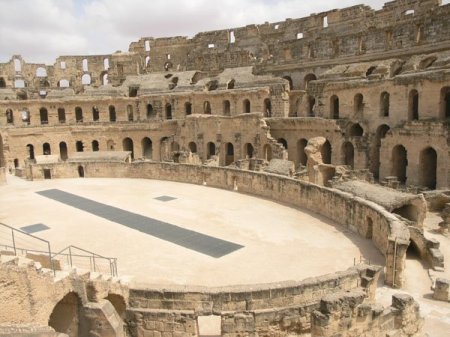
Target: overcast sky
41 30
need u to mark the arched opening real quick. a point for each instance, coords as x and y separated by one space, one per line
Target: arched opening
348 154
151 113
168 111
63 151
226 108
309 78
95 146
230 85
246 106
207 108
81 171
356 130
283 142
118 302
211 150
229 157
127 145
43 113
63 83
79 146
188 108
249 150
104 78
192 147
311 102
267 152
267 108
384 104
78 115
25 114
46 150
445 102
9 116
326 152
2 82
399 163
130 116
95 114
67 314
61 115
302 157
30 151
379 135
147 148
86 79
291 84
413 106
112 113
334 107
358 105
106 63
16 163
428 167
85 65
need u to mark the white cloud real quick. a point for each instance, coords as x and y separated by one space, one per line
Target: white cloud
41 30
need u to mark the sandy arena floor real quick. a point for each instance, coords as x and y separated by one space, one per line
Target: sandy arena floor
280 243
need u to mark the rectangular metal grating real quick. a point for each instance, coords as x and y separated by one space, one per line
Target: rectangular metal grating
186 238
34 228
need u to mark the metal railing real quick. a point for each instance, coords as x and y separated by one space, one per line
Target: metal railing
22 243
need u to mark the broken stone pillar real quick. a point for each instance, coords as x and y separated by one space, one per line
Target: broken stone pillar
445 224
395 262
442 290
407 315
318 172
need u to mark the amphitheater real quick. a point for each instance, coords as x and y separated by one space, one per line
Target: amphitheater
280 179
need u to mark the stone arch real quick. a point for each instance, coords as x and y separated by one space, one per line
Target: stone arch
334 107
112 113
168 111
207 108
80 171
95 114
2 82
283 142
356 130
348 154
147 148
67 314
192 147
9 116
229 153
151 113
46 149
445 102
358 105
95 146
61 115
308 78
267 107
43 114
188 108
385 104
86 79
210 150
63 151
249 151
291 83
127 145
310 104
246 106
30 151
63 83
302 157
399 162
79 146
267 152
326 152
118 302
78 114
413 105
428 168
226 108
130 115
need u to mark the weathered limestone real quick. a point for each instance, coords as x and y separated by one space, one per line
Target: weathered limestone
442 290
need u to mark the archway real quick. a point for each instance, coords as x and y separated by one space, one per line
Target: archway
112 113
326 152
63 151
358 105
311 102
192 147
46 150
445 102
150 112
348 154
428 167
334 107
356 130
413 105
207 108
248 150
380 134
226 108
211 150
81 171
267 152
308 78
267 108
399 163
384 104
168 111
291 84
283 142
127 145
147 148
246 106
229 154
95 146
61 115
302 157
188 108
66 315
30 150
43 115
95 114
79 146
118 302
78 115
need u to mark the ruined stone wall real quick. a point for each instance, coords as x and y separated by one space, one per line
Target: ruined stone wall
389 234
